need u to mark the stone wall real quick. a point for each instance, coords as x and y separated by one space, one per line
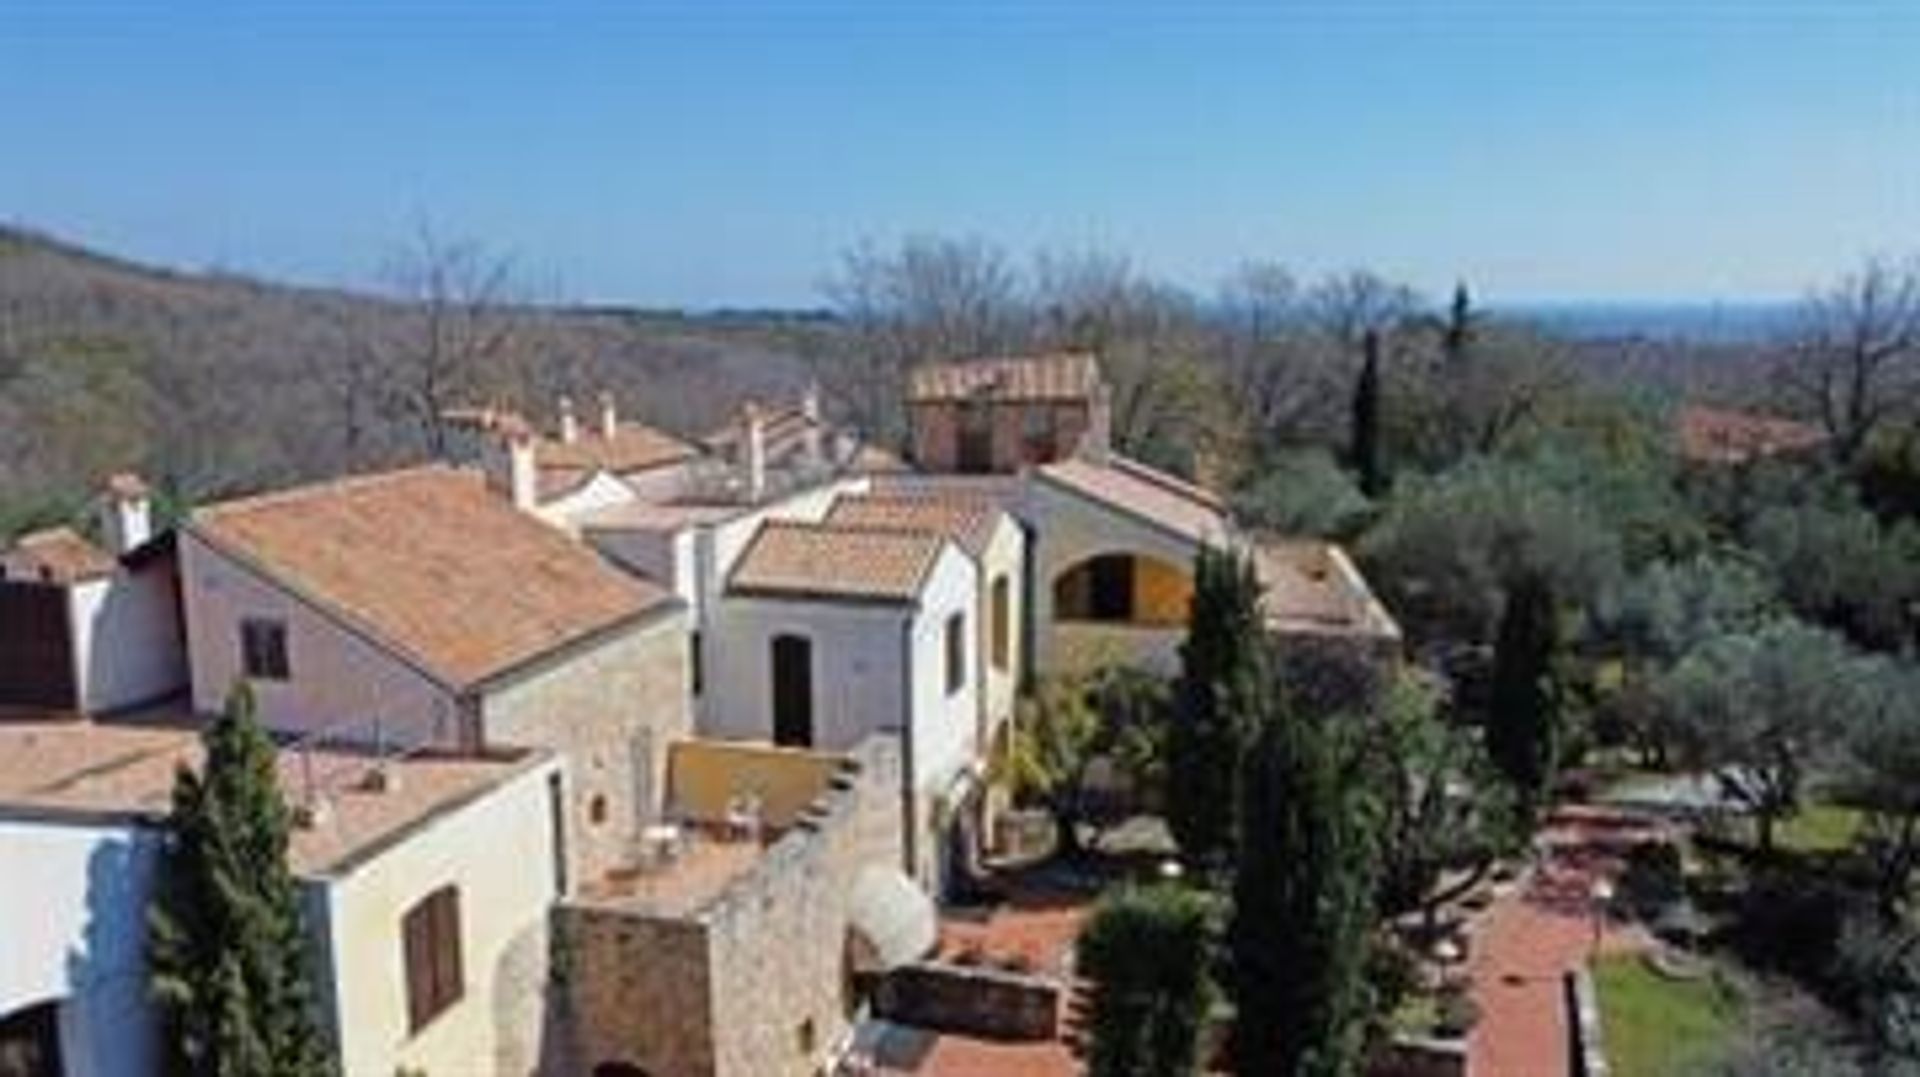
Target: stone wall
610 711
634 989
755 982
971 1000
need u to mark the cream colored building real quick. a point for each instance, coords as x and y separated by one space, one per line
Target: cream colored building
379 838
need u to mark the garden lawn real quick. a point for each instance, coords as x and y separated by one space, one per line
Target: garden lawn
1656 1027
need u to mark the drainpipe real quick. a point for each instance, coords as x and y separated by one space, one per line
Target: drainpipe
910 815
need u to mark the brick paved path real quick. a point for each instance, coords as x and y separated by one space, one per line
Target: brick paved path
1528 940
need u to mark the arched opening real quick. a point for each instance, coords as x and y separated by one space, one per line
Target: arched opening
793 691
30 1042
1125 589
618 1069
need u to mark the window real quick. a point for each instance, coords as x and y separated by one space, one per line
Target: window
431 931
263 649
1039 439
974 453
557 821
1002 603
695 674
956 652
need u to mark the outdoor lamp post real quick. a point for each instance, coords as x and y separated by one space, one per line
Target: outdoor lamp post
1602 895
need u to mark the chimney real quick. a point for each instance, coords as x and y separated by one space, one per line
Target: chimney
609 418
811 443
569 425
1097 442
125 519
755 460
520 467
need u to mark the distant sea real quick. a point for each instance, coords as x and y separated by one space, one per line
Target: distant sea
1709 322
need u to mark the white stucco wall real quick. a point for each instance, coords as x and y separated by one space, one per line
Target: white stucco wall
858 685
336 676
74 905
498 851
1005 556
943 721
126 639
602 491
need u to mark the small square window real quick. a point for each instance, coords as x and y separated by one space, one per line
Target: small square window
263 649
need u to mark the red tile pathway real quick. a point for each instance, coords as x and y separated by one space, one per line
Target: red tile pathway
1529 939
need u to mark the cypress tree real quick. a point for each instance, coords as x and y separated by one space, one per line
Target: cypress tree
1222 669
1366 420
229 953
1523 725
1303 902
1458 332
1148 953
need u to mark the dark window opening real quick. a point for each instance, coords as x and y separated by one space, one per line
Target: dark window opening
431 930
696 674
974 453
1002 603
793 691
1039 434
1100 589
30 1042
956 652
557 820
263 649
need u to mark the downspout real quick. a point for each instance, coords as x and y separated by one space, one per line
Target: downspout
909 844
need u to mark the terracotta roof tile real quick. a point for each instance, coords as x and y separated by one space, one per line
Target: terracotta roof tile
1721 436
1310 587
1172 503
62 765
968 520
432 565
834 561
633 447
55 555
1061 376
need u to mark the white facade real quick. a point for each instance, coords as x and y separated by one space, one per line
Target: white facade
75 903
499 857
125 630
876 668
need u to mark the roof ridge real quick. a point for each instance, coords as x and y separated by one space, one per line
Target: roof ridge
1165 480
338 484
830 526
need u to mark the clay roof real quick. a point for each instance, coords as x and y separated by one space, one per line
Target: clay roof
1723 436
432 566
59 766
56 555
1146 493
968 520
1060 376
1310 587
804 560
633 447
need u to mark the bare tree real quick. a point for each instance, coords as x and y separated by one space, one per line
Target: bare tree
928 299
451 341
1282 376
1854 363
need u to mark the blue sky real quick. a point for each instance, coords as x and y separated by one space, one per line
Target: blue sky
726 152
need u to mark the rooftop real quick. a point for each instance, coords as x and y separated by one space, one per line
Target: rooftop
967 519
55 555
1147 493
1723 436
828 561
58 766
432 566
1312 588
1062 376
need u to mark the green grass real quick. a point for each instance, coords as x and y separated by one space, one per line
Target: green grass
1656 1027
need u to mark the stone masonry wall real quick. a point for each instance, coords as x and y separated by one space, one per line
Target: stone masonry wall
753 984
610 712
636 991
